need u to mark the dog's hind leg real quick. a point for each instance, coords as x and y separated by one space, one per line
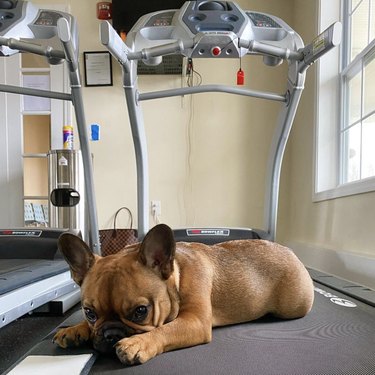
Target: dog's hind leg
295 295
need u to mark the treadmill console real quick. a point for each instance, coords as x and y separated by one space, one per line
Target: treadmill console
24 21
14 13
45 24
215 27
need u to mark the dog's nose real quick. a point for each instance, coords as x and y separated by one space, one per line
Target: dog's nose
112 335
108 336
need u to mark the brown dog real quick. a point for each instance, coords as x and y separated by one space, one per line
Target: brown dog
160 295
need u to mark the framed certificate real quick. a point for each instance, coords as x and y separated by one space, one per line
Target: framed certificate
98 68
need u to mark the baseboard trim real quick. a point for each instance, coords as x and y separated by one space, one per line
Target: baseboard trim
349 266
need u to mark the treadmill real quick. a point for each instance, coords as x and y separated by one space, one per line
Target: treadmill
338 335
215 30
32 272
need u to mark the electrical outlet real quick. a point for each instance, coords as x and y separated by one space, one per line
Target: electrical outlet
189 66
156 208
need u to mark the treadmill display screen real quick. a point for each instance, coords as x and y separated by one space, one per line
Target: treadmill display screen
47 18
163 19
262 20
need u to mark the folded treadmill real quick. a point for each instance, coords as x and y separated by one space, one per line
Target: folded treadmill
32 272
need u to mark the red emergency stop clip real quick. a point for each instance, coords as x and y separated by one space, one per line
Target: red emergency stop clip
240 77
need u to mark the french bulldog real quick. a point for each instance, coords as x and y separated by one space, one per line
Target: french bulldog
159 295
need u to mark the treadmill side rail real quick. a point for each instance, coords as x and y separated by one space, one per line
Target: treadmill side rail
17 303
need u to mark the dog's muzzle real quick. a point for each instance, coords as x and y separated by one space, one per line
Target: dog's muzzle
110 334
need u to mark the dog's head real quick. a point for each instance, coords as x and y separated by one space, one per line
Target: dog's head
131 292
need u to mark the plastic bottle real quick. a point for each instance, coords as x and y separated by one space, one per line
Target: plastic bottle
68 137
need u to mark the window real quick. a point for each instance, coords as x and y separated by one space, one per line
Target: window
358 91
345 162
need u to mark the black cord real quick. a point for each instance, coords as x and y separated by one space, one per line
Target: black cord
191 73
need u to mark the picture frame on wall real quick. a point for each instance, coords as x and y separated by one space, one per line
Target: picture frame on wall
98 68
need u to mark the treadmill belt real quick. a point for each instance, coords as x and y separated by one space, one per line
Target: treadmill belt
337 337
16 273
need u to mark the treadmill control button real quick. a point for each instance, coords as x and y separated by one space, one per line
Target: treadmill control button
215 51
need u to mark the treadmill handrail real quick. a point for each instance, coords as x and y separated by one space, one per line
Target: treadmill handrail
24 46
266 49
35 92
212 88
164 49
71 54
65 37
324 42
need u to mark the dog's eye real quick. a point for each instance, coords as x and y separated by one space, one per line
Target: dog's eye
140 313
90 315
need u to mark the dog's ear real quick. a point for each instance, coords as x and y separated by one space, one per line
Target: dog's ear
78 255
158 249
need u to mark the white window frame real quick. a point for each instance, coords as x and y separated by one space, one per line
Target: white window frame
329 151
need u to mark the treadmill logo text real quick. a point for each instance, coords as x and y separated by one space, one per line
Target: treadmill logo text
335 299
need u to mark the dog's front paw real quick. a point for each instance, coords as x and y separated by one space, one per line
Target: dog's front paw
135 350
72 336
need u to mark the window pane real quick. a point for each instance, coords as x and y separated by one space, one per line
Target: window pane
359 30
35 171
352 144
36 212
369 83
36 80
36 134
368 147
354 99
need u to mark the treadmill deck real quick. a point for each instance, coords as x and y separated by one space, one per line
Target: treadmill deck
333 339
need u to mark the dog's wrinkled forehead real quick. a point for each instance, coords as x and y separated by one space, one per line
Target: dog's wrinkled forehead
118 284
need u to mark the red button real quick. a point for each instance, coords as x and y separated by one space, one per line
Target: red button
216 51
